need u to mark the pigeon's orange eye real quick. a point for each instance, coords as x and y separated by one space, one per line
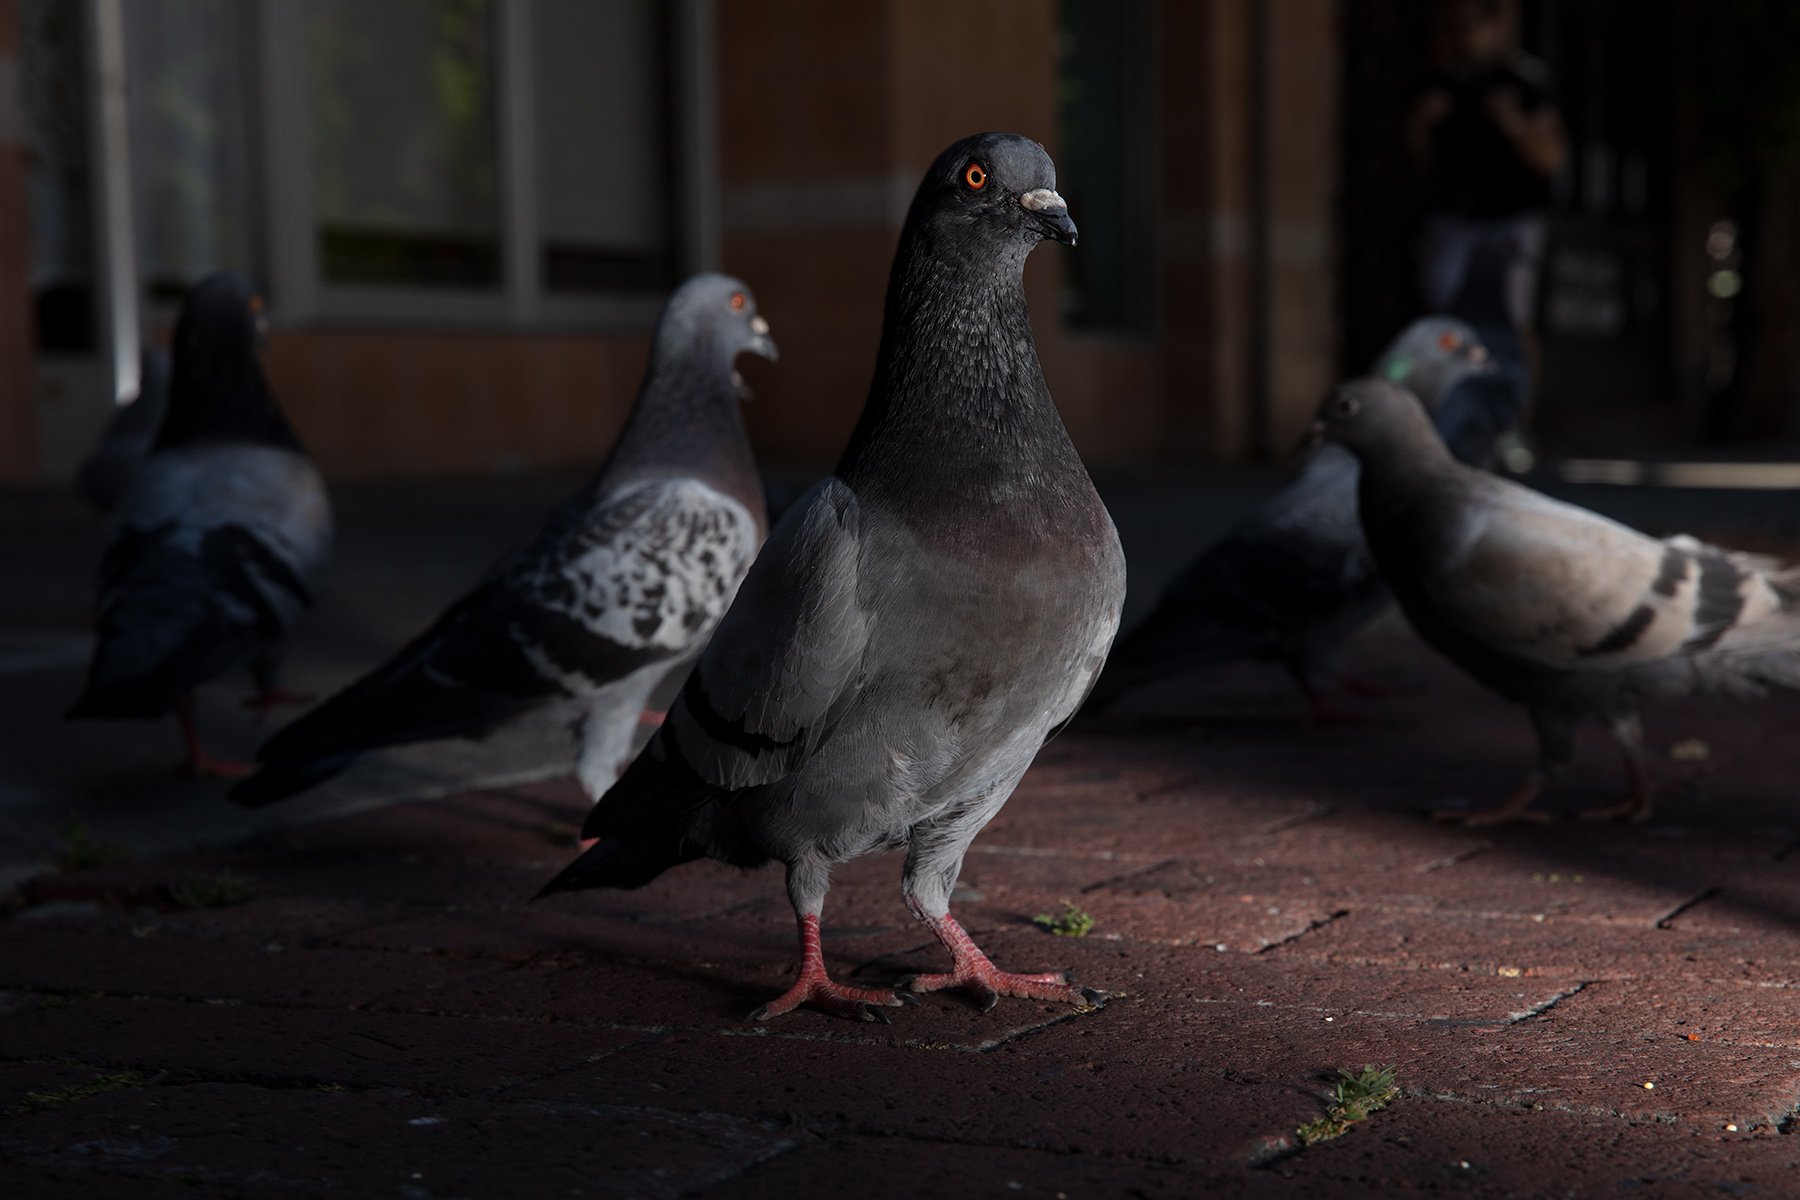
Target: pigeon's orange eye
737 301
975 177
256 304
1448 341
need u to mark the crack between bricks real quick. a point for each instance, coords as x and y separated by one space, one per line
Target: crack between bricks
1450 860
1665 921
1317 812
1311 926
1120 878
1545 1005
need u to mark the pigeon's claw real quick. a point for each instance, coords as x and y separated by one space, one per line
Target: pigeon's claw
264 702
814 988
1484 818
1635 809
973 972
987 984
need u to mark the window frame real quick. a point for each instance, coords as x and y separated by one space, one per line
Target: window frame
298 292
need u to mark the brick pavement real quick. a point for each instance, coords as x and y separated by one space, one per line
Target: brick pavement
386 1015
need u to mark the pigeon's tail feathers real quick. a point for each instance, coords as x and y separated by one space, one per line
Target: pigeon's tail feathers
624 862
278 780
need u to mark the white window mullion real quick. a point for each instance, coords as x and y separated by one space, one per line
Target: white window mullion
519 240
115 234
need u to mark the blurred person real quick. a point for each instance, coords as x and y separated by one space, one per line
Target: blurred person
1487 139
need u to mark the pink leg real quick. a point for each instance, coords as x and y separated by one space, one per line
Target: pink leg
814 987
266 701
972 971
199 763
651 718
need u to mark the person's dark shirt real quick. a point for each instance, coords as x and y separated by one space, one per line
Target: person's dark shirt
1475 170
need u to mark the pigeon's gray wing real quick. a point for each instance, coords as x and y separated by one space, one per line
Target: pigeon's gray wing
783 663
1296 566
1566 589
605 590
214 555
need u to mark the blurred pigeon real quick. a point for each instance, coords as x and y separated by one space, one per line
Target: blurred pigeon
128 436
620 586
219 537
1293 580
919 624
1554 607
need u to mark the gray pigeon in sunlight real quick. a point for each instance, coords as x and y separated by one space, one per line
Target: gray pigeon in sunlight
1292 581
920 622
1554 607
219 537
620 586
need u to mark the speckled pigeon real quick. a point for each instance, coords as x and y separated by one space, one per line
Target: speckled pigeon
1293 580
1555 607
219 537
919 624
620 586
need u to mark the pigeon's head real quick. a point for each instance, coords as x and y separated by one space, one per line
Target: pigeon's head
1431 356
1370 417
1000 187
717 311
221 317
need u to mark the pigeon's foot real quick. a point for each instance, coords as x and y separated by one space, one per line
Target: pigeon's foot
975 973
196 761
1515 809
264 702
814 987
652 718
201 765
1635 809
1485 818
853 1004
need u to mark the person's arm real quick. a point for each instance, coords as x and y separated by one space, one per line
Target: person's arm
1426 115
1536 134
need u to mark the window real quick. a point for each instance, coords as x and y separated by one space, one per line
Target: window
482 160
189 117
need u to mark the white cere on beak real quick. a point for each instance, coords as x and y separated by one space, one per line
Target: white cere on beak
1478 353
759 327
1043 200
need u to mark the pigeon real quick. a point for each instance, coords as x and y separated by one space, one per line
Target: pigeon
619 587
1291 582
219 538
1554 607
128 435
920 623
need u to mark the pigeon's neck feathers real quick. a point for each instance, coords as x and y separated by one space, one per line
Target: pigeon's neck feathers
688 416
958 402
220 396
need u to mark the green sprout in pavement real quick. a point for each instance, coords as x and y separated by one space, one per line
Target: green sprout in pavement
1352 1100
1071 922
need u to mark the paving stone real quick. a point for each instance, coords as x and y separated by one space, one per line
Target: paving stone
36 958
247 1140
302 1047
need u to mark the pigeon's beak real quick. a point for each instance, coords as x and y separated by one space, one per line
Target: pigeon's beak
1052 213
762 343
